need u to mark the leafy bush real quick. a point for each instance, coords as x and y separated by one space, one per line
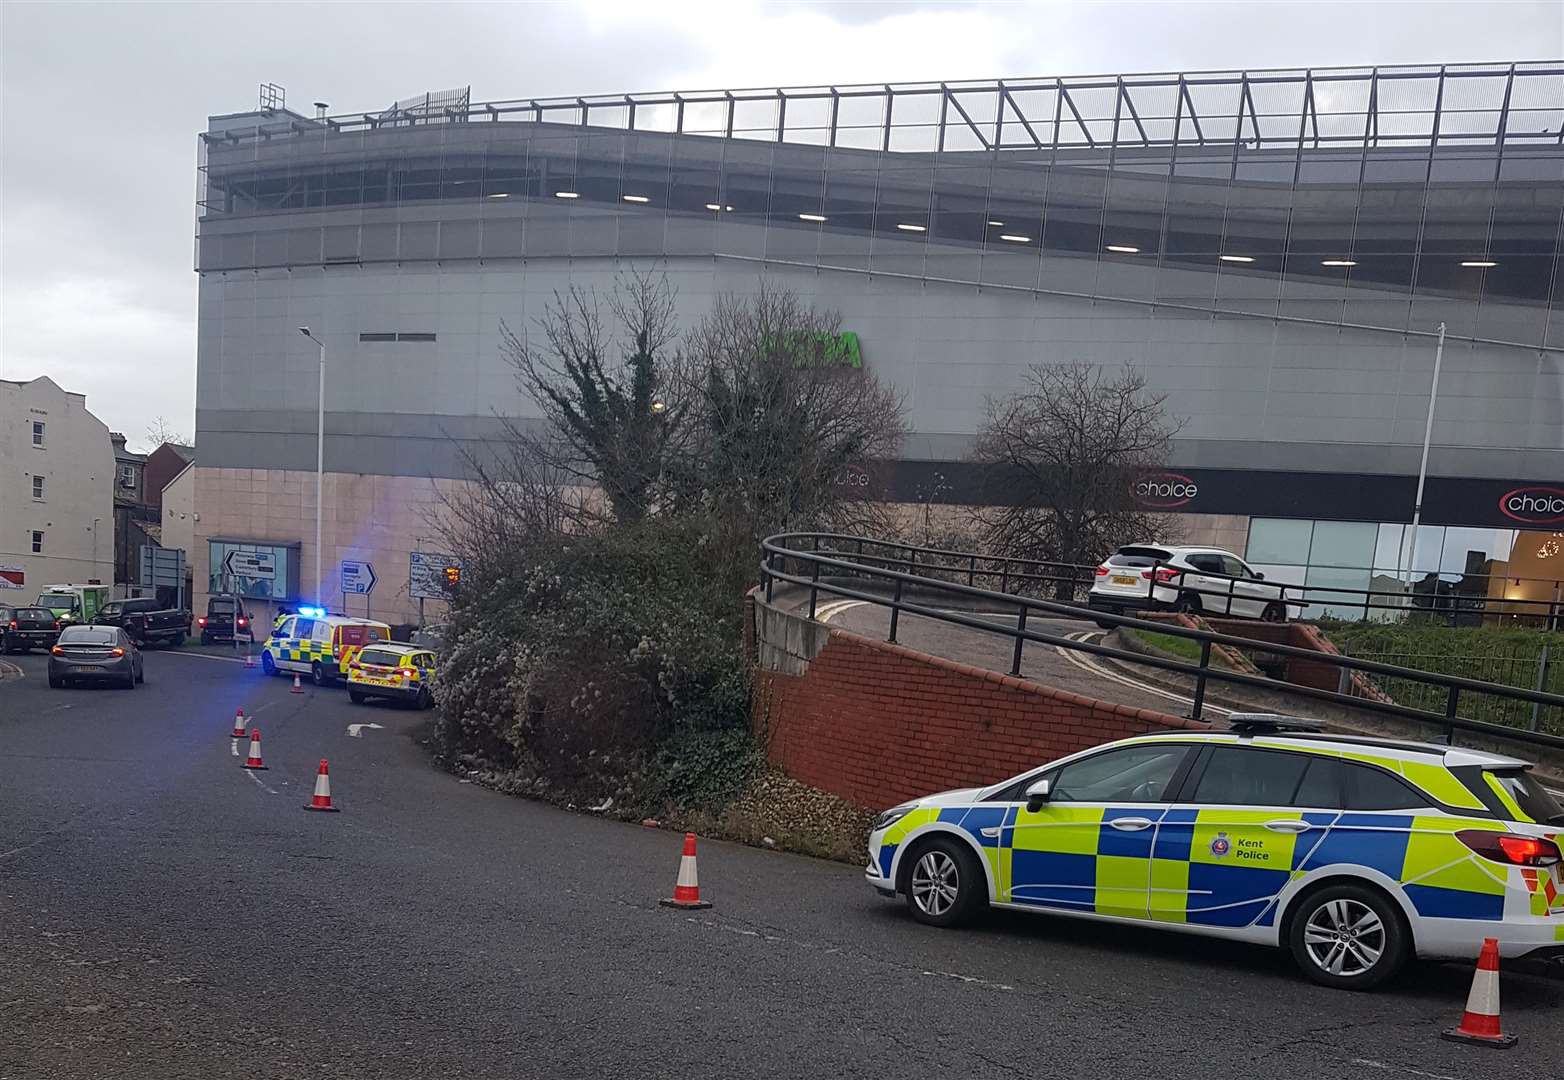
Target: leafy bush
603 662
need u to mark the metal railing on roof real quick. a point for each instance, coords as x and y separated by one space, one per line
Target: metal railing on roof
829 563
1515 104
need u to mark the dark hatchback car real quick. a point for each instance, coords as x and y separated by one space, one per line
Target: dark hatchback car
24 628
95 654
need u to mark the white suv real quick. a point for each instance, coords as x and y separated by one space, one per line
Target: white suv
1209 581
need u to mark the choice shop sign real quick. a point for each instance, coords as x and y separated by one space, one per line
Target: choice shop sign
1164 490
1535 505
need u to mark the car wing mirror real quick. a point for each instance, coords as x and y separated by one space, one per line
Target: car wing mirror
1259 576
1037 793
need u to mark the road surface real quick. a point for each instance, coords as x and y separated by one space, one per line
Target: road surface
164 913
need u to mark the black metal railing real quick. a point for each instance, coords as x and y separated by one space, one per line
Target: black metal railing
1214 593
843 566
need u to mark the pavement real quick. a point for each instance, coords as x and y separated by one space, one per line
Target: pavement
164 913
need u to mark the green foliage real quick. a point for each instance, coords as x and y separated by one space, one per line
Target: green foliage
706 768
587 658
1182 647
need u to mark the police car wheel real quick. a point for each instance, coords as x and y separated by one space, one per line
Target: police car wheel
1349 937
945 886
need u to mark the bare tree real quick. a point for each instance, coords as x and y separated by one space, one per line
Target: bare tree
603 390
1066 450
781 428
162 431
512 498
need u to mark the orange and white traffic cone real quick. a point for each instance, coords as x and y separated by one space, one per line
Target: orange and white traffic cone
297 689
1480 1023
249 658
254 760
322 799
239 722
687 890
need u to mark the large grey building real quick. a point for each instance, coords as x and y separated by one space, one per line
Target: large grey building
1275 250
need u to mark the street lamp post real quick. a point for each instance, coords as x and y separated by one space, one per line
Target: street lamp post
95 545
1410 545
320 457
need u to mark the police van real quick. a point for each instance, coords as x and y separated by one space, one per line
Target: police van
319 645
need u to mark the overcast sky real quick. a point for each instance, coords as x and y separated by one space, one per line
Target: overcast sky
100 105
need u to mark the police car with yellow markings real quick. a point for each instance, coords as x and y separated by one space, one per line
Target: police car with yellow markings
1355 853
319 645
390 669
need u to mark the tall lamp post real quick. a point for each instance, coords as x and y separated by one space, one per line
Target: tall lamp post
1410 545
320 456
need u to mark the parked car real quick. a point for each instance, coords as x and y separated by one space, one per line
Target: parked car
1355 853
145 621
225 619
95 654
1203 580
25 628
390 669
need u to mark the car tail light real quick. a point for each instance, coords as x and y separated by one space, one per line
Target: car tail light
201 621
1165 575
1102 571
407 672
243 621
57 651
13 625
56 624
1511 848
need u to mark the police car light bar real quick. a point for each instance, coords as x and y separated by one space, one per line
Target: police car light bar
1270 723
312 612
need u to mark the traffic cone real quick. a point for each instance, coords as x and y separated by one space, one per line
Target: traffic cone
687 890
249 658
322 799
1480 1023
254 760
297 689
239 722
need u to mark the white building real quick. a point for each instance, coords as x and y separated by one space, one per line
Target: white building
56 490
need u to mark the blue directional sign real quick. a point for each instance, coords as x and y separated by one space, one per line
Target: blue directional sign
357 577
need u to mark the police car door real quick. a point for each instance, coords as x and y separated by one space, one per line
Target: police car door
1088 848
1253 817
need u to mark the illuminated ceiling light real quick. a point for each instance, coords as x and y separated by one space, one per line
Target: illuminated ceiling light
636 198
997 224
1015 238
811 217
907 226
1124 249
499 194
1236 258
1481 264
567 195
1338 262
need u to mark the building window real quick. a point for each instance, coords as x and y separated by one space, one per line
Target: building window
37 542
127 476
37 432
37 487
399 335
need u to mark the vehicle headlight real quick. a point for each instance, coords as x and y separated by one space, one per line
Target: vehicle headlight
892 816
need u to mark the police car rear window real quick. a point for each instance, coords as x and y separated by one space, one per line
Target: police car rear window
1529 795
382 657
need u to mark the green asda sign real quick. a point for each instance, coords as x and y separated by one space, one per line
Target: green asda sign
826 350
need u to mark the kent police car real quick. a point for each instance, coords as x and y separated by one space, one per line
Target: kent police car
1355 853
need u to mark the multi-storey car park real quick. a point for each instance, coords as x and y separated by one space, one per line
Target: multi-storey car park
1275 250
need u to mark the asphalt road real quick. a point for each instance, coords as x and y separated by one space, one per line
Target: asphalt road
164 913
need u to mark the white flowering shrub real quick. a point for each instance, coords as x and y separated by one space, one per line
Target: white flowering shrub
605 662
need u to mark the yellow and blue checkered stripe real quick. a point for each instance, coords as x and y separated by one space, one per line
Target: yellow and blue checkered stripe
1210 866
303 651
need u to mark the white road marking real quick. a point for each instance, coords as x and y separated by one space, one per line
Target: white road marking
1402 1068
357 730
253 776
204 656
827 612
1088 663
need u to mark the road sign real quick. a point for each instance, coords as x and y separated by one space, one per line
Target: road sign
428 576
162 566
12 577
357 577
255 565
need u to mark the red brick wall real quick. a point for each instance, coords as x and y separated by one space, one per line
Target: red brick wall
878 724
1317 674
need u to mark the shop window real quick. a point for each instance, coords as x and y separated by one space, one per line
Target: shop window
1279 540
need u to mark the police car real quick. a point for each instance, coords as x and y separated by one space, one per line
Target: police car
319 645
1354 853
392 670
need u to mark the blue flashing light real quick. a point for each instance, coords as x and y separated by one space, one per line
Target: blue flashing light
312 612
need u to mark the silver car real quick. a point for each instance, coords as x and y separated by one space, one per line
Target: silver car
95 654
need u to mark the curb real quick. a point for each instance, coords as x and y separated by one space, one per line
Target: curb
9 670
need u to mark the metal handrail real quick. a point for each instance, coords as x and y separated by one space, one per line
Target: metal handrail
970 563
792 546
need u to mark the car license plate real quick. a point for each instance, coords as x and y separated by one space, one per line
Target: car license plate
374 682
1121 579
